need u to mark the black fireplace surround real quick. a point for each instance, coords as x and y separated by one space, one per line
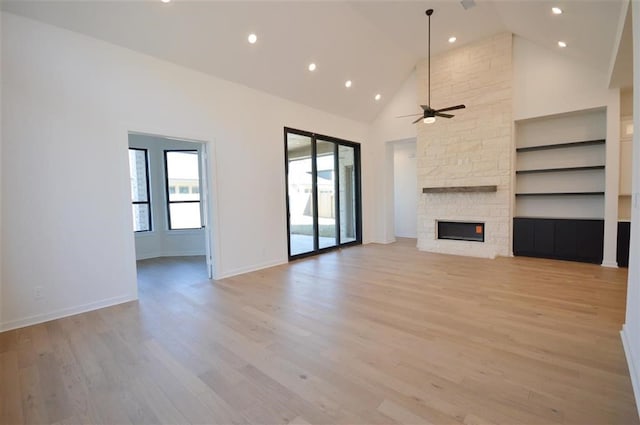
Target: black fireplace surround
461 231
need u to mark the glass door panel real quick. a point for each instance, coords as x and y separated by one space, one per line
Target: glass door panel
326 183
347 177
302 225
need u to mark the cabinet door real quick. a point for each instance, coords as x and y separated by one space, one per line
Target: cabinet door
624 232
543 235
522 236
590 238
565 239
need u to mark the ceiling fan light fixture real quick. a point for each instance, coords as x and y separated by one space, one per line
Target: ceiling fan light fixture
347 83
252 38
452 39
562 44
556 10
429 114
312 67
429 120
377 97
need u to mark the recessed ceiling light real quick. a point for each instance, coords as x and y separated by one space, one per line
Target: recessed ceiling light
347 83
252 38
556 11
378 96
165 1
562 44
452 39
312 67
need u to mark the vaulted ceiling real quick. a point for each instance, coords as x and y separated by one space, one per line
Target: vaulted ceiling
376 44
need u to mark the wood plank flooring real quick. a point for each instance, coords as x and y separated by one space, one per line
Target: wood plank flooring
377 334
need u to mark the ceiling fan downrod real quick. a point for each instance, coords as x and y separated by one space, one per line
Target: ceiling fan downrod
429 12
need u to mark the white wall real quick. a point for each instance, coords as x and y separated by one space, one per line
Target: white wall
405 184
547 82
631 328
69 102
1 183
161 242
384 131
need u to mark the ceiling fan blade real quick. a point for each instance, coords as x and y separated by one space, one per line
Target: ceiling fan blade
450 108
412 115
418 120
425 107
438 114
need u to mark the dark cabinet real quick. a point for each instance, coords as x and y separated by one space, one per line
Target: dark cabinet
590 240
523 240
565 239
543 236
624 234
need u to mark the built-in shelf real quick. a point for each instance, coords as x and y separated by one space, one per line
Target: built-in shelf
561 194
460 189
551 170
561 145
560 164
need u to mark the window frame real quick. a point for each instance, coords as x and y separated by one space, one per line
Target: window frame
167 194
148 187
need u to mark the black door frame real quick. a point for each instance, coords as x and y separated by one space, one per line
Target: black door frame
357 192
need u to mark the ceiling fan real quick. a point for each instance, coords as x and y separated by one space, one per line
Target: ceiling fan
428 113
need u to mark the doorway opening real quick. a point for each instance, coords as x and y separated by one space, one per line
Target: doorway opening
405 189
323 193
169 198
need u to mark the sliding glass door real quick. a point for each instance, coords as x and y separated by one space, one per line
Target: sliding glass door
348 203
323 192
326 193
302 227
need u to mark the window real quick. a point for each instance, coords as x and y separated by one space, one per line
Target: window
140 200
183 171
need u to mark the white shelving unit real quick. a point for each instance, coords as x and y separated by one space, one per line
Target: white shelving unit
560 166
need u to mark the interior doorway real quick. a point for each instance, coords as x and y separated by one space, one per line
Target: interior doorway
405 189
169 198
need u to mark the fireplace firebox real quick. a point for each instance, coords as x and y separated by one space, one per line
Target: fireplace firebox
461 231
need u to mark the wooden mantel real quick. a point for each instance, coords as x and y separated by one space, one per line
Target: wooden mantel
460 189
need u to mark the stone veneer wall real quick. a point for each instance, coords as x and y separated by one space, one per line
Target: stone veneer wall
474 148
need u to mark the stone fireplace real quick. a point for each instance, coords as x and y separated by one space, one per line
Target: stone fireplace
465 163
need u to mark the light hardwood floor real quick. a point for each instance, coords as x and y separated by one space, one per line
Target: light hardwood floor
367 335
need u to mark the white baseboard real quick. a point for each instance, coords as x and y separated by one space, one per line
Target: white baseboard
384 241
149 255
249 269
633 368
58 314
610 264
198 252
